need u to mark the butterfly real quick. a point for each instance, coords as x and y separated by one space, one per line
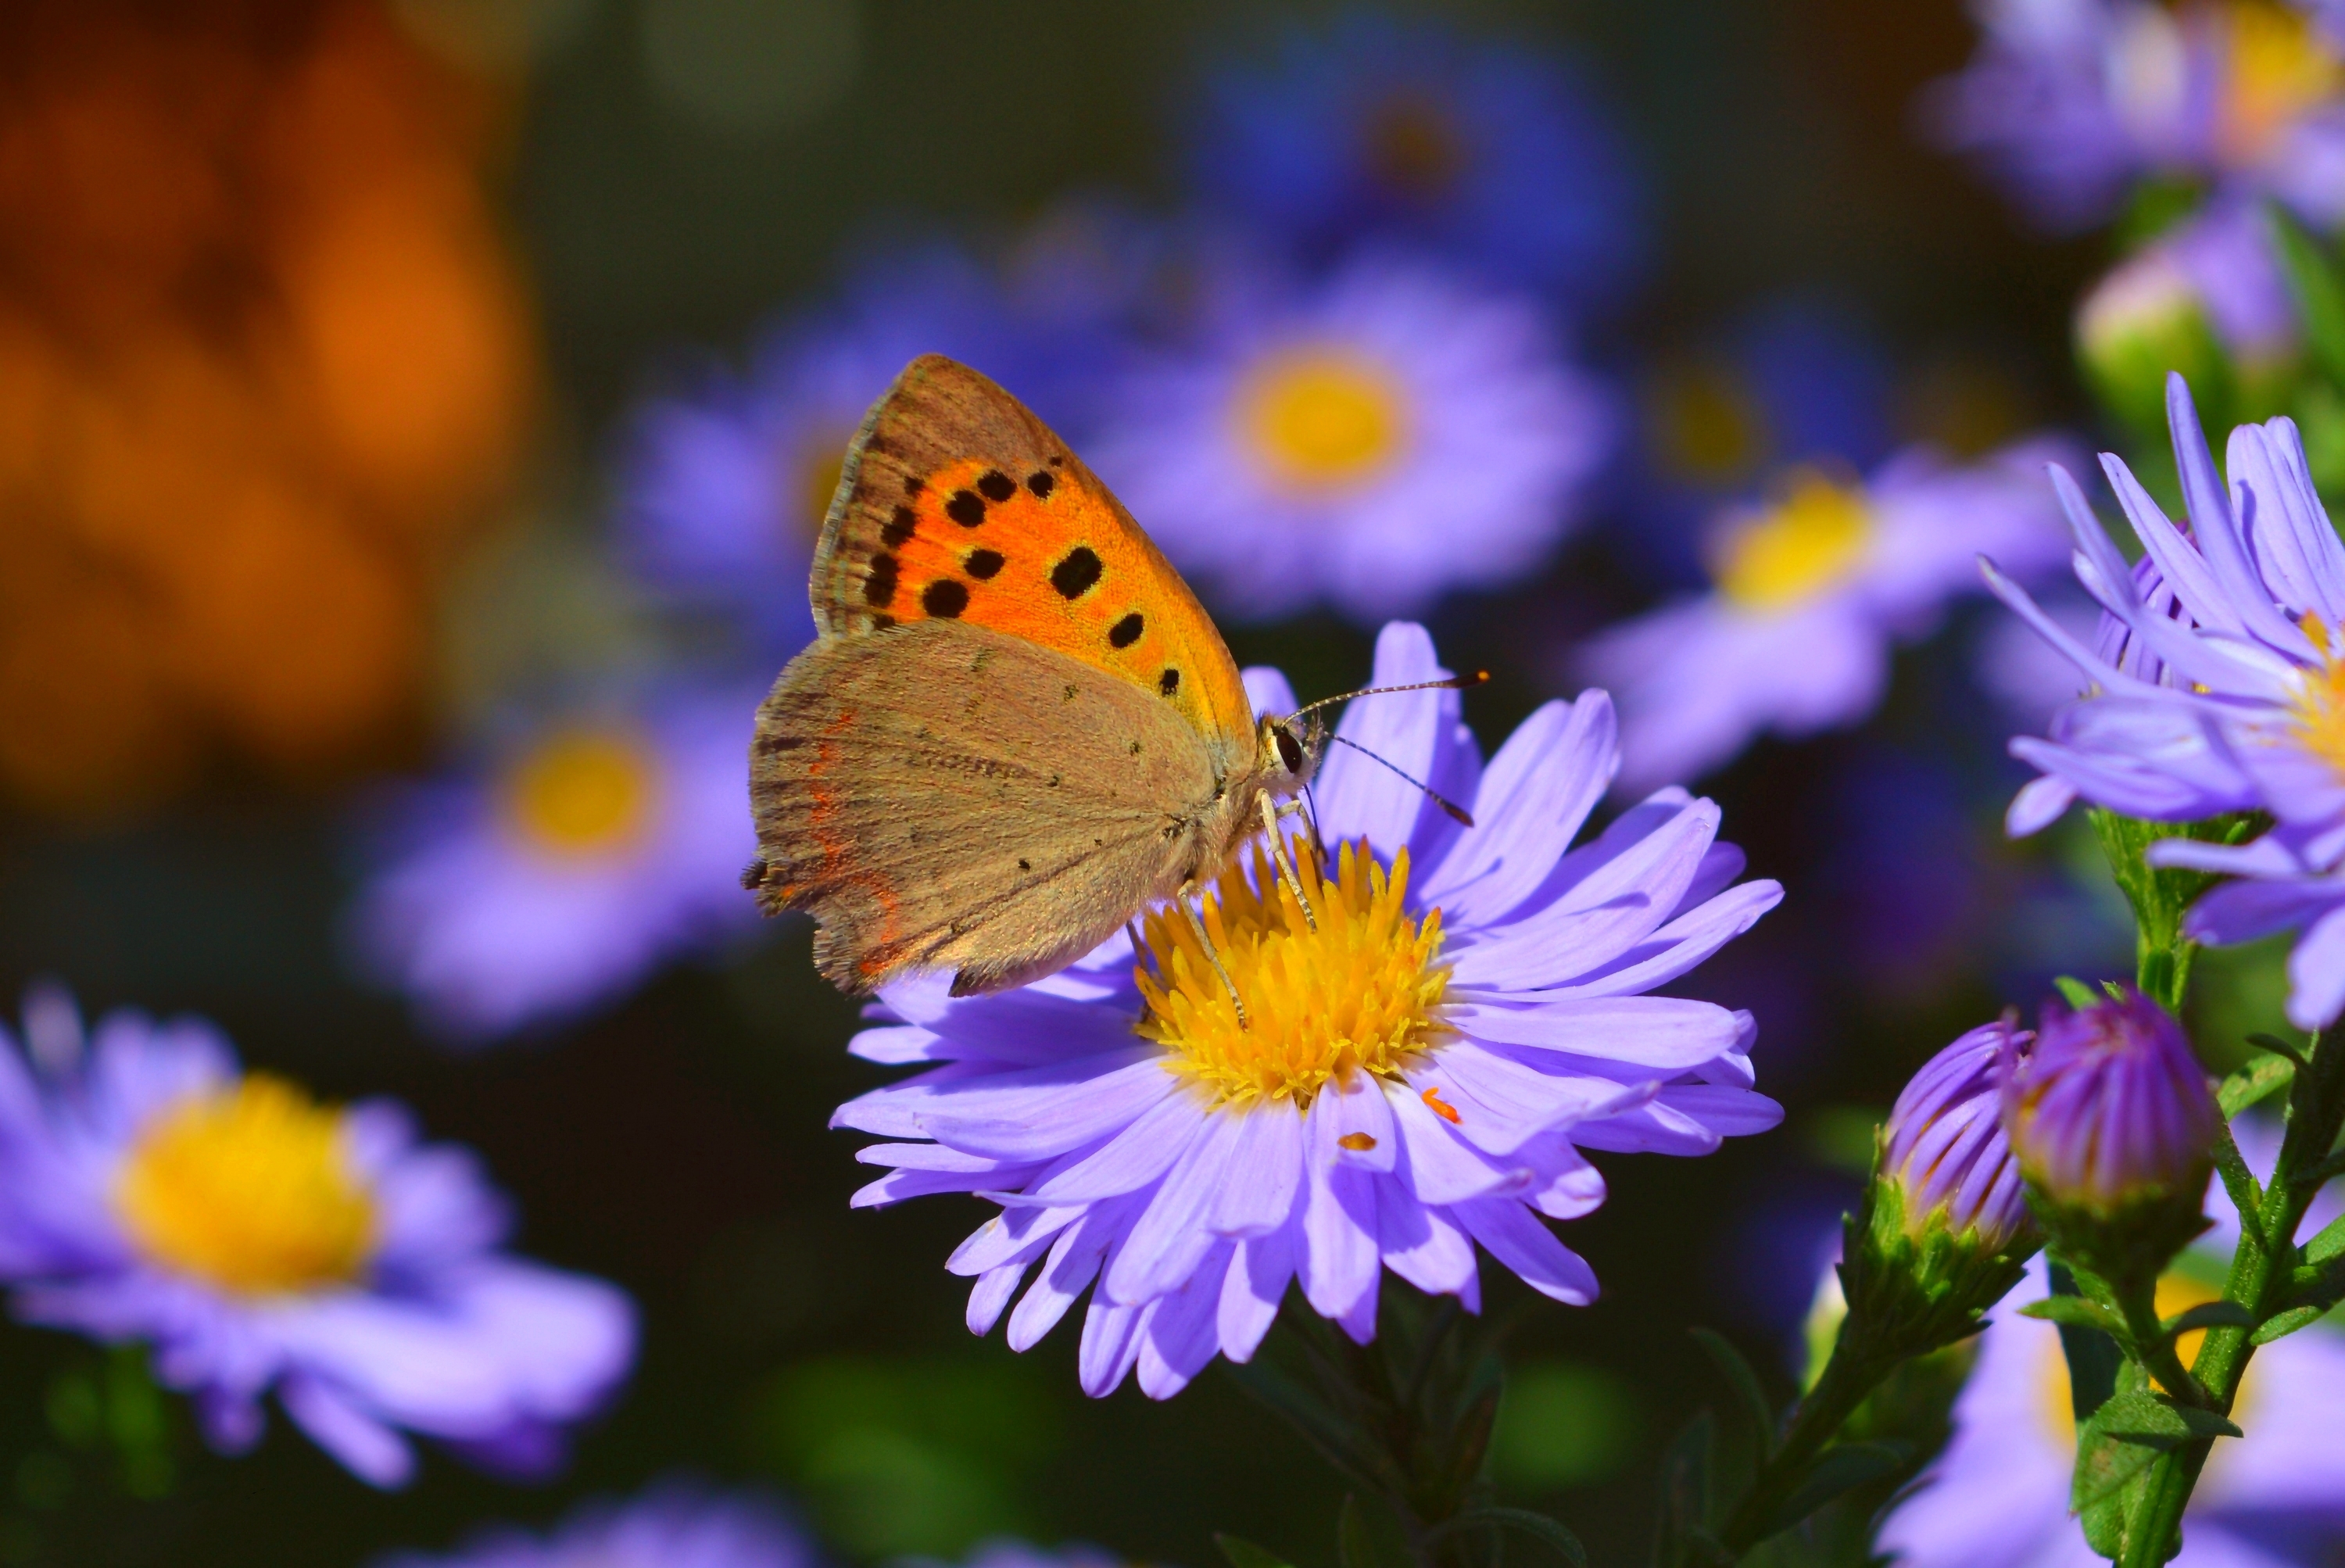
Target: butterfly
1016 726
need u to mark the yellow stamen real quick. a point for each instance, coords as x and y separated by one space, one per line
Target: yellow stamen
1322 419
2275 67
250 1190
1812 538
2321 699
1359 991
583 792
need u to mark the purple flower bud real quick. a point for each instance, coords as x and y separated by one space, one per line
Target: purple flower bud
1945 1148
2110 1106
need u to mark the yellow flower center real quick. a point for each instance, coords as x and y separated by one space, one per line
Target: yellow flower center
2176 1293
1413 146
1706 425
2275 67
1359 991
250 1190
2321 699
1810 539
1322 419
583 792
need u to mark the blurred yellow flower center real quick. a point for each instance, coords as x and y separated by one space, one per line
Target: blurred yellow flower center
2275 67
1359 991
1414 146
1322 419
250 1190
583 792
2176 1293
1810 539
1706 425
2320 697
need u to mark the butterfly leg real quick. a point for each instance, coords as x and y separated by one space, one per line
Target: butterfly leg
1278 854
1213 955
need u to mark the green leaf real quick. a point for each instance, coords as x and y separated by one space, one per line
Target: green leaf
2320 291
1686 1493
2280 1325
2117 1445
1522 1521
2094 1361
2259 1080
1353 1547
1840 1468
2328 1243
2077 1313
1751 1405
1245 1553
2208 1315
2079 994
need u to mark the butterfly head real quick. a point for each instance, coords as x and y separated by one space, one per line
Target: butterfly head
1287 750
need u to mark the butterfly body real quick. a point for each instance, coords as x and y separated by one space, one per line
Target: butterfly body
1016 727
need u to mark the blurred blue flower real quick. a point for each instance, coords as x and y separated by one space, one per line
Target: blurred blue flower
1813 588
1997 1497
2069 103
676 1525
722 484
1368 442
1418 1069
1496 154
259 1241
553 876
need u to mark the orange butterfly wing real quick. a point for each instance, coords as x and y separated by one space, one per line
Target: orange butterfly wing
956 502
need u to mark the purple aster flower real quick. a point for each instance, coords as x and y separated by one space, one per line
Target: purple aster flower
1813 588
262 1242
1424 1057
1497 154
723 483
1997 1497
1945 1147
554 875
2070 102
2109 1105
676 1525
1370 441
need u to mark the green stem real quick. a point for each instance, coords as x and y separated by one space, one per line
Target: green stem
2260 1267
1853 1372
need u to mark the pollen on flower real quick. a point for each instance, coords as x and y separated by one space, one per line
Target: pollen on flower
250 1190
582 793
1809 539
1358 992
1322 419
2320 697
2274 68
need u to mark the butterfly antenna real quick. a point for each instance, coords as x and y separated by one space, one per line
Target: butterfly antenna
1454 683
1457 813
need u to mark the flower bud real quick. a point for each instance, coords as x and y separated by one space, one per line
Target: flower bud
2113 1126
2144 319
1945 1149
1943 1231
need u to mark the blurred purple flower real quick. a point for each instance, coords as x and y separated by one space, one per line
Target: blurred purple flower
1422 1068
259 1241
1368 442
555 876
723 483
1497 154
676 1525
2110 1104
1945 1147
1812 590
2069 102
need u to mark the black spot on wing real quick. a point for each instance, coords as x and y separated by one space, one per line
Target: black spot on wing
899 528
879 581
996 486
944 598
965 508
914 485
1168 682
1076 572
1041 483
981 563
1126 632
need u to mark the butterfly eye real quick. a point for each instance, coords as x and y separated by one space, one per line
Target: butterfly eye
1290 751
